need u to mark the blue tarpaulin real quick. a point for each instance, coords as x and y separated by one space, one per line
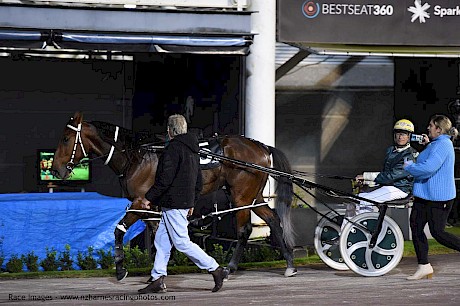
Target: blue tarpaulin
36 221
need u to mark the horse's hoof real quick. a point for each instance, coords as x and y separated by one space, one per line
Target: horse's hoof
121 275
228 274
232 268
290 272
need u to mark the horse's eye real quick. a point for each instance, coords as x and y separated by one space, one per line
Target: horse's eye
65 139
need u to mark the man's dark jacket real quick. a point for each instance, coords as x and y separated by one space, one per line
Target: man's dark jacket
178 180
393 173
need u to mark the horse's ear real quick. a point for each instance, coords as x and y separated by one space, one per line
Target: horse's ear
77 117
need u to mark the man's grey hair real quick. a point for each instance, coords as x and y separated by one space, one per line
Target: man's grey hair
177 125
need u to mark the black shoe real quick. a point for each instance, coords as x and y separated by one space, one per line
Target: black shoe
219 275
157 286
150 280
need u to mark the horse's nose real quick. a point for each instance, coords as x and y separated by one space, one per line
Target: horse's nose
55 173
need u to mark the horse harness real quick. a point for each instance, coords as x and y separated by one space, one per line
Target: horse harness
212 149
78 141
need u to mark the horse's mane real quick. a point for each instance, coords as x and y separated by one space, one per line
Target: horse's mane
107 132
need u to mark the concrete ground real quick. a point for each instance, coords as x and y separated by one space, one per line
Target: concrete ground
314 285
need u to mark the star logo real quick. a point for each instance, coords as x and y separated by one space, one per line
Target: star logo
419 12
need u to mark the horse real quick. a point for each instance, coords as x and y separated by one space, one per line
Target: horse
136 169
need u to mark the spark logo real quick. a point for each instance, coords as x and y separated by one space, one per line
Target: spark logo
310 9
419 11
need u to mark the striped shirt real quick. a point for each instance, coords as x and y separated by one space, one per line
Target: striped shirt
434 171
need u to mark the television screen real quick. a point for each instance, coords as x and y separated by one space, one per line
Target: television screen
81 172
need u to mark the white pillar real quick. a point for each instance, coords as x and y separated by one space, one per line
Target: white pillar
260 66
260 86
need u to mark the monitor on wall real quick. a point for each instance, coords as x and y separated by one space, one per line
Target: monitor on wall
81 173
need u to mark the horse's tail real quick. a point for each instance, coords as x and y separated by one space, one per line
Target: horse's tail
284 194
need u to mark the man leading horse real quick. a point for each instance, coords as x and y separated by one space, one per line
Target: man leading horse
177 186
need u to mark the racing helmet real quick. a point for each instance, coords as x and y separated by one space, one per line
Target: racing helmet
404 125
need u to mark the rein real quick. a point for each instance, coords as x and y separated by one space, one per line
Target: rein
334 177
296 179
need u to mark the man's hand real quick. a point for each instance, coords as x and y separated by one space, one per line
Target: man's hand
144 203
359 179
407 162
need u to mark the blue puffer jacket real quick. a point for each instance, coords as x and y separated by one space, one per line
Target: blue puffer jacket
393 173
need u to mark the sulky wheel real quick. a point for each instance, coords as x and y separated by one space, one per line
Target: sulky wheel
366 261
327 238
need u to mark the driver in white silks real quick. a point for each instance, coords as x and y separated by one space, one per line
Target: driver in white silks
393 182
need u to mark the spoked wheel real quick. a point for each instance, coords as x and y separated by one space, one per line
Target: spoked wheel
376 261
327 239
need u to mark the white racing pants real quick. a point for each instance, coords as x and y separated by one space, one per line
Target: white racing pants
380 195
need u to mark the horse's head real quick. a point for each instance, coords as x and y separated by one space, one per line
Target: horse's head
72 147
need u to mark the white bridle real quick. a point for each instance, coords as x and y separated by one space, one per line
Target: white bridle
78 140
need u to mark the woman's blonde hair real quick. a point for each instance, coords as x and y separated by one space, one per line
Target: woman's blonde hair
444 123
177 125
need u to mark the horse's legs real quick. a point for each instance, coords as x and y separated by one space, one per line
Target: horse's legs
244 229
273 221
120 230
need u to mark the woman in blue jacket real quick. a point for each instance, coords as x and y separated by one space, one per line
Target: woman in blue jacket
434 191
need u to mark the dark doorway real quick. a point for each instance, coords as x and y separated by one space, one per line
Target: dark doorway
424 87
206 89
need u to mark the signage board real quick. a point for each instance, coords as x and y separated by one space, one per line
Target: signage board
415 23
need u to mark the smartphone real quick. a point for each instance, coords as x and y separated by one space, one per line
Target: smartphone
416 138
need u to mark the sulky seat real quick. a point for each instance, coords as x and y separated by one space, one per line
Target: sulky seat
401 203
